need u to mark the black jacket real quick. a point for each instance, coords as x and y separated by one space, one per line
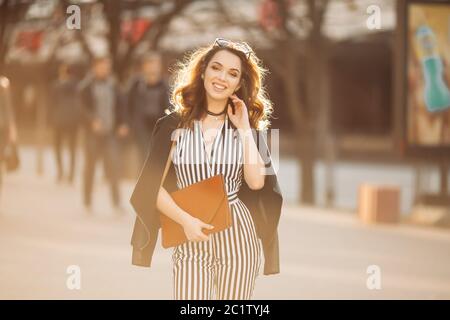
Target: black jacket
88 107
134 97
65 107
264 204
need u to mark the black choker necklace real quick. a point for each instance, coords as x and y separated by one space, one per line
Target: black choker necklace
216 114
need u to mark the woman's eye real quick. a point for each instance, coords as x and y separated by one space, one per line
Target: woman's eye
215 68
234 75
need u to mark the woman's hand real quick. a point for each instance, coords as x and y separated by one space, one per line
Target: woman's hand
254 167
240 118
193 229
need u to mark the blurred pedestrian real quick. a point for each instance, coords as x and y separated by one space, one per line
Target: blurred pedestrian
65 117
105 119
8 129
148 97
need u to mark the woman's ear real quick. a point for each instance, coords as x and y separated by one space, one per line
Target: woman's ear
241 83
238 87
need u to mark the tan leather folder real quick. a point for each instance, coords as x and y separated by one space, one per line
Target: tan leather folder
206 200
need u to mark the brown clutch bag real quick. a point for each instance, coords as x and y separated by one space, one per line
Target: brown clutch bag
206 200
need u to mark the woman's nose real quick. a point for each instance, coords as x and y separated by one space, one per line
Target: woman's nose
222 76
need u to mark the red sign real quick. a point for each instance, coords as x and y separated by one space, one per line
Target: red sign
30 40
269 14
133 30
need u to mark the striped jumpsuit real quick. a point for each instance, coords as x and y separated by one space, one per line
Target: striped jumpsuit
225 266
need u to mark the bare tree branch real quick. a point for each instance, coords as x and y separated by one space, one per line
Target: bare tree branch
156 31
10 14
162 22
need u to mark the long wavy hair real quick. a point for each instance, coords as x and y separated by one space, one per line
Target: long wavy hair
188 95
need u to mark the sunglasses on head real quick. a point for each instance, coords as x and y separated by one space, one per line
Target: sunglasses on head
240 46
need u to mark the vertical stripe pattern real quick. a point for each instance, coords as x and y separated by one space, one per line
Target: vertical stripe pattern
227 265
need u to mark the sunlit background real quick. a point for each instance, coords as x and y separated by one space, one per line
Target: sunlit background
361 100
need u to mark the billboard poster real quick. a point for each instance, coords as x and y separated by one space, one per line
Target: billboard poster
428 75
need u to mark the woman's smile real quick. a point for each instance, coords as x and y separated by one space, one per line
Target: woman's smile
218 87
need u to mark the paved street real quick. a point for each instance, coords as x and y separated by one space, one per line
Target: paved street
324 254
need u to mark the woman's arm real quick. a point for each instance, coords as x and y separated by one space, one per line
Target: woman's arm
254 167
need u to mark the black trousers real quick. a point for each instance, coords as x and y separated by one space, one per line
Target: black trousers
105 148
62 135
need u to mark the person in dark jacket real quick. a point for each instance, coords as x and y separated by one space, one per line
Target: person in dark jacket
147 97
65 117
105 123
8 129
223 113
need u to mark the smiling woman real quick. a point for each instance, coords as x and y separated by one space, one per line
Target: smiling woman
219 103
232 71
227 75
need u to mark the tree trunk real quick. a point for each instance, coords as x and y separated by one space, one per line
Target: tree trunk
443 171
301 124
3 35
